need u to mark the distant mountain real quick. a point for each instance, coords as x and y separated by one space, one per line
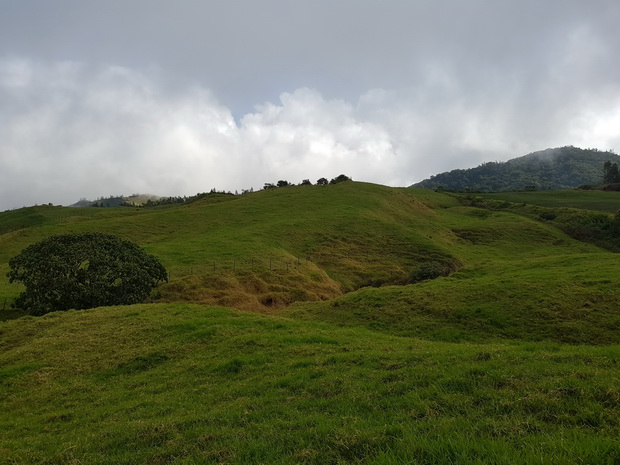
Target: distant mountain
116 201
550 169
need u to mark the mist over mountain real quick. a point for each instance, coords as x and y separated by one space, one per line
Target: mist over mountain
117 201
554 168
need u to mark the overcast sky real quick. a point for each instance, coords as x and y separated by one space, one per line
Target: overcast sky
103 97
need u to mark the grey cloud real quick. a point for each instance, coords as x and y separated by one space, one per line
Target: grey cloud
74 131
179 97
247 51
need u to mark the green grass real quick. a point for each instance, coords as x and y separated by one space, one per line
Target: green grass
344 356
275 246
189 384
528 300
521 279
588 200
596 227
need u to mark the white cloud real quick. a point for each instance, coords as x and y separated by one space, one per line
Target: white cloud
73 131
306 136
70 130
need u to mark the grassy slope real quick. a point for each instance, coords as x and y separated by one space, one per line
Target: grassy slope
273 247
309 244
521 279
187 384
370 377
589 200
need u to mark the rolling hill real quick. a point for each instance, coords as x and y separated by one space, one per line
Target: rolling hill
349 323
550 169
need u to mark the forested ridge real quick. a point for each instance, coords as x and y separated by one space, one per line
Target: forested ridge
550 169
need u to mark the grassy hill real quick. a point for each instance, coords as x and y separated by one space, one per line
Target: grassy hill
550 169
596 200
270 248
327 345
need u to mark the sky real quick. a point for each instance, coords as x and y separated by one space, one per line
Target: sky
101 98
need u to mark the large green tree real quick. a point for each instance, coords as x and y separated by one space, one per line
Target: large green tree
77 271
611 173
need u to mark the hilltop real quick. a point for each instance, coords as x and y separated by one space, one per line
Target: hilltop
550 169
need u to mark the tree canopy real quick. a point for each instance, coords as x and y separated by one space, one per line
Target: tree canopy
559 168
78 271
611 173
340 178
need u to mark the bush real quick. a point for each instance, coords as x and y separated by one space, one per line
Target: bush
547 216
434 269
83 271
340 178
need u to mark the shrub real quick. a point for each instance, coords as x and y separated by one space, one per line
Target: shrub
547 216
83 271
434 269
340 178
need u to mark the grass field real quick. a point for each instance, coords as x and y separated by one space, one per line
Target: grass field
189 384
326 348
589 200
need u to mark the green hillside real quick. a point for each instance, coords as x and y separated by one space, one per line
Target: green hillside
328 344
550 169
596 200
205 385
273 247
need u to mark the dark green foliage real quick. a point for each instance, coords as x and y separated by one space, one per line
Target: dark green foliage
83 271
558 168
547 215
322 182
611 173
340 178
615 226
433 270
162 201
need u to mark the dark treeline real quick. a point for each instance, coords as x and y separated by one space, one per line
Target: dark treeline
307 182
116 201
611 173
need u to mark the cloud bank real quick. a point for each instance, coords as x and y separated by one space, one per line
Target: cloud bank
174 98
71 129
